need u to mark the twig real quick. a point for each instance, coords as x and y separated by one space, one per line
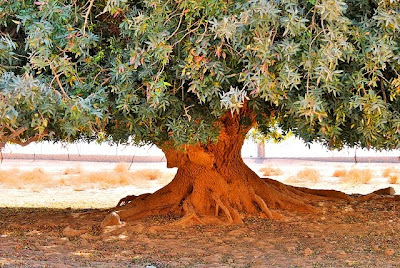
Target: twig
383 91
355 155
76 11
177 28
56 76
186 109
133 157
189 32
204 34
171 16
87 16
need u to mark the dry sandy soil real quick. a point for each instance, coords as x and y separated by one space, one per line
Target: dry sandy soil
50 214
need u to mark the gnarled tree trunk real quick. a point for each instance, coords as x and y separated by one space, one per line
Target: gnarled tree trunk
214 185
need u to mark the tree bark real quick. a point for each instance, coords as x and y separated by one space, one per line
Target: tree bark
214 185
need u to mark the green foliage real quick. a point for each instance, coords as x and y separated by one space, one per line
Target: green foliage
159 71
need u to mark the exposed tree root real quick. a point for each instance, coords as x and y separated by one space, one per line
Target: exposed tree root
330 194
127 199
385 191
190 217
388 192
221 203
262 198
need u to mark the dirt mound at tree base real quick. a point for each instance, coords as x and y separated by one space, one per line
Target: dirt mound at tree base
359 234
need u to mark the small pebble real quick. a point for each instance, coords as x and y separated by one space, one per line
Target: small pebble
308 252
389 252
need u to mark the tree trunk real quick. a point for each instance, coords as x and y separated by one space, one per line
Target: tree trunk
214 185
261 150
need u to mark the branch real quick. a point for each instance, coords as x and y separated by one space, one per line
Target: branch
383 90
14 134
186 34
13 137
177 28
76 8
30 140
58 80
87 16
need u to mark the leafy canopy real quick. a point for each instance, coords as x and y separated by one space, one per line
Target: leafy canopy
157 71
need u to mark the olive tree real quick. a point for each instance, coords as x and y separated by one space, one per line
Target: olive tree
193 77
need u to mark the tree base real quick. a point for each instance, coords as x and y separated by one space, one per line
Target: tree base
214 186
206 197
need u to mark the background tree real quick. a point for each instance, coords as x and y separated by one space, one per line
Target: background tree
193 77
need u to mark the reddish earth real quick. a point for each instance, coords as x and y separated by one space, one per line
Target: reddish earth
361 234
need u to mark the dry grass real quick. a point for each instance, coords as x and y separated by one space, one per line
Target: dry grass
339 173
18 179
121 167
120 177
394 179
392 175
102 180
36 176
271 171
10 177
308 174
38 179
74 170
357 176
147 174
388 172
305 175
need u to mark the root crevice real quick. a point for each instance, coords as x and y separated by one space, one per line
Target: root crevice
263 206
225 208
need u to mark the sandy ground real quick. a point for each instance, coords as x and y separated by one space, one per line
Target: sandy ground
103 195
53 221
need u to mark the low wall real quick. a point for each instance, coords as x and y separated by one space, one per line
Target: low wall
91 158
129 158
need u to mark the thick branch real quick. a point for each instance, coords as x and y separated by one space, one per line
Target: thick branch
35 138
13 137
14 134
